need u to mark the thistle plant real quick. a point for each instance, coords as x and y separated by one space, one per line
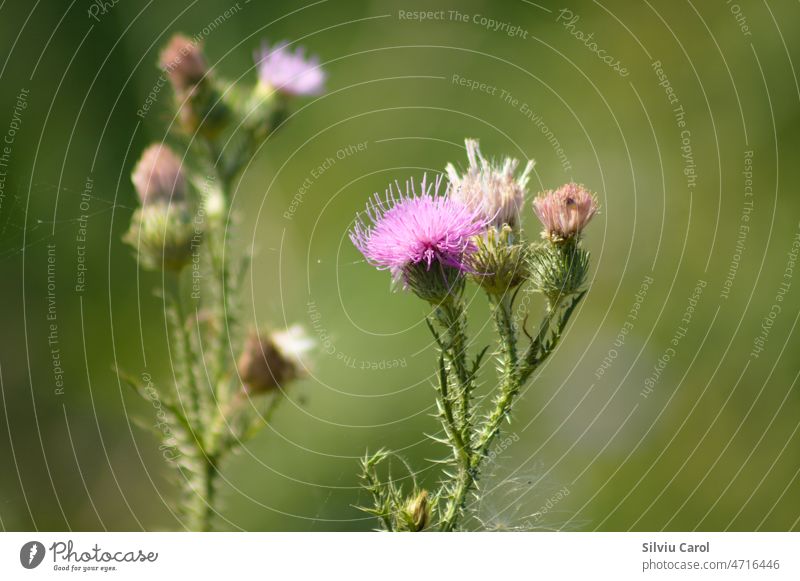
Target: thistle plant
434 240
182 229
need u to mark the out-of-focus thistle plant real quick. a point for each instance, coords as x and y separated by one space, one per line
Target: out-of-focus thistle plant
433 244
182 228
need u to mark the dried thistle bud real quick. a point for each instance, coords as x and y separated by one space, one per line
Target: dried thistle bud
492 189
565 212
158 176
269 361
183 61
163 236
418 512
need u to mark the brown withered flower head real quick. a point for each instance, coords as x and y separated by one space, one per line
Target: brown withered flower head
271 360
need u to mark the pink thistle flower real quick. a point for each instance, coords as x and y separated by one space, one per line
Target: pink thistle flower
158 175
417 230
491 188
565 212
289 72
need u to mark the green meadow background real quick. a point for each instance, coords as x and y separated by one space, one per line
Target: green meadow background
671 404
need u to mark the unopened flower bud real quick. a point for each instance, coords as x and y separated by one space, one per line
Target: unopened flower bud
183 61
202 110
558 270
270 361
418 512
501 262
491 188
158 176
163 235
565 212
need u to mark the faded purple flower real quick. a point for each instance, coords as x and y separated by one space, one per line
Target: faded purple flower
289 72
158 175
565 212
491 188
408 229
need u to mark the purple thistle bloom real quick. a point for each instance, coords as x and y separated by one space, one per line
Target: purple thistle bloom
289 72
409 230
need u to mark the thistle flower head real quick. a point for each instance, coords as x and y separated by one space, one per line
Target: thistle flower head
183 61
158 175
411 234
289 72
270 360
565 212
490 188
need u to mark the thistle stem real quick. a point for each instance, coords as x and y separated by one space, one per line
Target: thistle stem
510 382
465 480
452 318
188 357
457 412
202 494
209 482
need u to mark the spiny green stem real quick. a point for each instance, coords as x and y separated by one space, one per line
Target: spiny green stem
220 273
465 480
539 349
187 357
456 408
510 382
460 450
467 475
531 358
452 318
210 485
201 493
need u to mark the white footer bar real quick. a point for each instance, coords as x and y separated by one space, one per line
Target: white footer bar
383 557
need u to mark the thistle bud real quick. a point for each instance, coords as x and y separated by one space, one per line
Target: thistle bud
500 263
417 513
565 212
202 110
183 61
269 361
558 270
490 188
158 176
200 106
163 236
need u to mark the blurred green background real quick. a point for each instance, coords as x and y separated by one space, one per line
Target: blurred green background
713 446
